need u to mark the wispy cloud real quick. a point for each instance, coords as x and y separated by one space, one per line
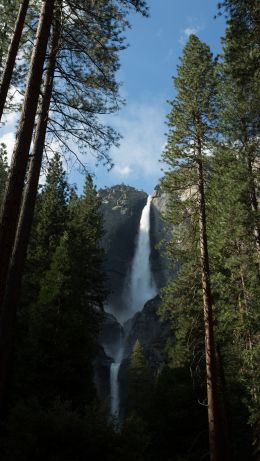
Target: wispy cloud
194 27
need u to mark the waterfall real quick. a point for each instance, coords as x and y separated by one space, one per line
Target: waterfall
141 283
114 370
140 288
114 384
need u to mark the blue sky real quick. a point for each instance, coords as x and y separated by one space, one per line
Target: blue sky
155 45
147 67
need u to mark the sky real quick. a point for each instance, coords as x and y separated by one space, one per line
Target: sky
147 67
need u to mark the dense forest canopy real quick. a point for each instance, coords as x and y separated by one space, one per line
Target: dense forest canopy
202 402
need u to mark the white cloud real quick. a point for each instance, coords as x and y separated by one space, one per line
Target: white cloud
142 127
191 31
124 171
194 27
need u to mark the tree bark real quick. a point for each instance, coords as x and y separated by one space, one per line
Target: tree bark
214 445
13 286
254 203
12 53
14 190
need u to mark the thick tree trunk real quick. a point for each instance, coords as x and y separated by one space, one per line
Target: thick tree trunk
214 443
14 190
13 286
12 53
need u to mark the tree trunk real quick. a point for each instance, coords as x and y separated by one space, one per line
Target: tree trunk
12 53
214 446
254 203
13 286
14 190
2 38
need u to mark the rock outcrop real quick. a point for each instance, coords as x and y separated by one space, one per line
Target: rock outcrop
152 332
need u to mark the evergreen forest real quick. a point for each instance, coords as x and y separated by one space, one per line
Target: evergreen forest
202 403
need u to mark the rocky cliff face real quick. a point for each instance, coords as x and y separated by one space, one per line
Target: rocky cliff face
122 207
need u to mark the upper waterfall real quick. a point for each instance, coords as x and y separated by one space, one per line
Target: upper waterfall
141 283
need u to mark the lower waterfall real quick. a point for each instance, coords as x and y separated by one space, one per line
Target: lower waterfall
114 370
140 288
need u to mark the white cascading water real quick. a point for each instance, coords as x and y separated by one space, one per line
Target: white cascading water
141 283
140 288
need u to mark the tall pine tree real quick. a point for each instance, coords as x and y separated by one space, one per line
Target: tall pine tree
191 139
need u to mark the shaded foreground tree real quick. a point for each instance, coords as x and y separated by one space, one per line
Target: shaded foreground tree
13 194
239 100
8 16
14 277
241 94
191 137
7 74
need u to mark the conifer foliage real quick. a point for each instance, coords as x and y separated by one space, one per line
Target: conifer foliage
191 139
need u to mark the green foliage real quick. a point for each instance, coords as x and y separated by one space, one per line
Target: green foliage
59 433
58 324
140 383
192 123
214 120
8 11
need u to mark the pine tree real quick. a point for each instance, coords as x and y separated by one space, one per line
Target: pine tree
234 273
14 189
52 214
14 278
61 318
239 99
140 380
191 138
240 95
86 230
8 9
12 54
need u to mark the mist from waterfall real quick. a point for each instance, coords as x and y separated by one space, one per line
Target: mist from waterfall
114 383
140 287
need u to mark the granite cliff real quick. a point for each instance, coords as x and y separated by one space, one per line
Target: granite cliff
122 208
